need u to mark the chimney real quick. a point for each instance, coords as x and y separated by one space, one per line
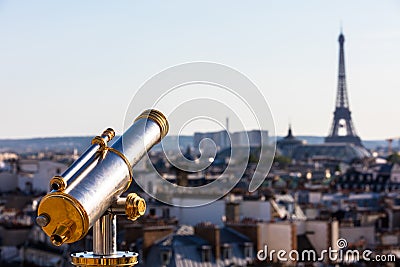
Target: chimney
232 212
210 233
251 229
154 233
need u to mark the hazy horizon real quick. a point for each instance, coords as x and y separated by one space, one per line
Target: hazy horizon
169 135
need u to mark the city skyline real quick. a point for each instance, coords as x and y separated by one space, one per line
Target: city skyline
63 64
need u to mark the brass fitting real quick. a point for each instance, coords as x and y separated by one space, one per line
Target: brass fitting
110 133
58 183
135 206
86 259
157 117
63 232
43 220
102 140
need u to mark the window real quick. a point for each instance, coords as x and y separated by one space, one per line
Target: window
206 253
226 251
248 250
165 213
165 257
152 212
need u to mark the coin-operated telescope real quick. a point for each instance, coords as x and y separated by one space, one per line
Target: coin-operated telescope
88 193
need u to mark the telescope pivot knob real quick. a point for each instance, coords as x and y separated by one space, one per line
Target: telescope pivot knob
135 206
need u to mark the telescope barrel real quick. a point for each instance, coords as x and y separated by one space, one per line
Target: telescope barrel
67 215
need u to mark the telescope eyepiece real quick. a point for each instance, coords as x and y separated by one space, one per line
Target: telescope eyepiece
62 233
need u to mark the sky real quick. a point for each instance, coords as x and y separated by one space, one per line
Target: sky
71 68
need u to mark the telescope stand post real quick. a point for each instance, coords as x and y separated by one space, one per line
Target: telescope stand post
105 246
105 235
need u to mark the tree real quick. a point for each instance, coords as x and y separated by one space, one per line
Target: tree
393 158
282 161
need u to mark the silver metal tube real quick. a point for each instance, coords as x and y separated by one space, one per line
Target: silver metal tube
76 168
83 163
118 207
105 235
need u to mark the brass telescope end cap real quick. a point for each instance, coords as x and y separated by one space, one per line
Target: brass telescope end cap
158 118
62 218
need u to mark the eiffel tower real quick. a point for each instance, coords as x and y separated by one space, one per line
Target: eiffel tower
342 130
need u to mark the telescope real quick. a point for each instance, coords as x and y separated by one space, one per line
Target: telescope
88 193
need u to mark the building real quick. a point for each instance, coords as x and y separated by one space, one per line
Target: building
223 139
253 138
340 152
287 145
8 172
36 174
203 245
